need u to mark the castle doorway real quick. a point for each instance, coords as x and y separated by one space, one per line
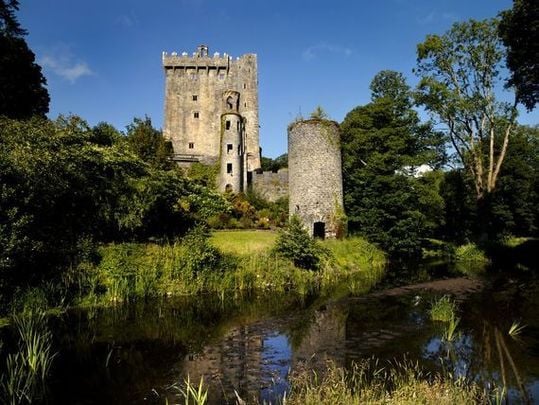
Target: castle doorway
319 230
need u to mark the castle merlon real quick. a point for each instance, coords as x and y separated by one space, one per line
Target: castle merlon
184 60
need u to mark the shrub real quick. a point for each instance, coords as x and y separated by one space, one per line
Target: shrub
470 253
295 244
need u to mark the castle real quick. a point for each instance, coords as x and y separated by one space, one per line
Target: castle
211 117
211 113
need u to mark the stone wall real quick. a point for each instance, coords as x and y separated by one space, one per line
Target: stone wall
315 175
199 89
269 185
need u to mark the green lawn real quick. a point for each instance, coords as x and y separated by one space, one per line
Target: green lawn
243 242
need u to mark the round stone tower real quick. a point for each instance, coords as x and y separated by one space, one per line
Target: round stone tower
232 145
315 176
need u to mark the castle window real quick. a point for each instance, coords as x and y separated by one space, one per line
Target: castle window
229 168
195 97
227 125
238 125
245 104
228 147
191 145
244 85
196 115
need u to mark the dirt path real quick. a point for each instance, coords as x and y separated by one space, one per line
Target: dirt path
458 287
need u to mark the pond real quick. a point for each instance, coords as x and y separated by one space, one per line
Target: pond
141 353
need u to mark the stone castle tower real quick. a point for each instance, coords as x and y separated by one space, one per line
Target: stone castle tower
211 113
315 176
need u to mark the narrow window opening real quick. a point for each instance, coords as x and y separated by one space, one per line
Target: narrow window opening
229 168
229 148
244 85
227 125
228 188
196 115
195 97
191 145
238 125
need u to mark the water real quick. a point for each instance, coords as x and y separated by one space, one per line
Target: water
140 353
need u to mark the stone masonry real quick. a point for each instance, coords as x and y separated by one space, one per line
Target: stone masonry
315 176
211 112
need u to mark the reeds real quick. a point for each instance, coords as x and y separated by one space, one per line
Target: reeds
370 382
28 368
444 309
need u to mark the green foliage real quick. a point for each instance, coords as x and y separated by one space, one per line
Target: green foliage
369 382
148 144
519 30
470 253
274 165
381 142
443 309
192 394
206 175
295 244
27 368
319 114
65 187
458 74
22 85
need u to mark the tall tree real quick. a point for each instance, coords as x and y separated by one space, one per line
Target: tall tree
382 143
519 29
22 85
459 72
148 143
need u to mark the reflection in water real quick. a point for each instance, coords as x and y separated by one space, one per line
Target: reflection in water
134 354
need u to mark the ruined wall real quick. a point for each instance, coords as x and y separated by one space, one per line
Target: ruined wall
269 185
315 175
199 89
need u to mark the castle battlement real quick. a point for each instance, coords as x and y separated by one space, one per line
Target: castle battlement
202 60
211 112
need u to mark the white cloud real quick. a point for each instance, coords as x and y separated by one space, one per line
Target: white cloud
313 51
61 62
434 17
127 20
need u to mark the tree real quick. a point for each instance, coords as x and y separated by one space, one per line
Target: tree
519 30
148 143
381 144
459 72
274 165
22 85
295 244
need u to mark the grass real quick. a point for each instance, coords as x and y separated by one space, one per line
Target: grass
244 242
28 367
368 382
192 394
516 329
470 253
227 263
443 309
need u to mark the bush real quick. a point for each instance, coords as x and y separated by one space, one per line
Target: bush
470 253
295 244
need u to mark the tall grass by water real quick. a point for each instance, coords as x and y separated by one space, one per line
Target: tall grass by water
226 263
370 382
28 367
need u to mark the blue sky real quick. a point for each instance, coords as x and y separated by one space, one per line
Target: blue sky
102 59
